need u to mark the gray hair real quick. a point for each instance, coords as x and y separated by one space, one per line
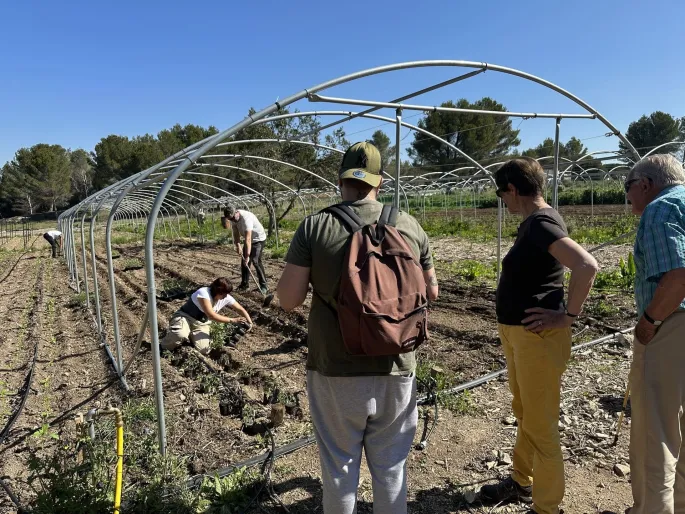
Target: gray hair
663 170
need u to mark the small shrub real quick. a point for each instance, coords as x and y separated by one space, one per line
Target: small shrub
231 493
77 300
472 270
460 403
278 253
132 263
621 278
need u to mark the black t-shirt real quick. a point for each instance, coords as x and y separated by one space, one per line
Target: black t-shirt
531 277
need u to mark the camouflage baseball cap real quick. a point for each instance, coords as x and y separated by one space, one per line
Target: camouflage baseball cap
362 161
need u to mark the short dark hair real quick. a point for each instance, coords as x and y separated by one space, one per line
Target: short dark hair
220 286
229 210
524 173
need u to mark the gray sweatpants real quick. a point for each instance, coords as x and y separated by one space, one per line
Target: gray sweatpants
377 414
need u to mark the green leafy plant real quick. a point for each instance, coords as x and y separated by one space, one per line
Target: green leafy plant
209 383
230 494
621 278
132 263
471 270
460 403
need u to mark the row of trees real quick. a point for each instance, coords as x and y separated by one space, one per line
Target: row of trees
49 177
490 138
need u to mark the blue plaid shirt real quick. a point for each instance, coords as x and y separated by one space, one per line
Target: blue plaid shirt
660 243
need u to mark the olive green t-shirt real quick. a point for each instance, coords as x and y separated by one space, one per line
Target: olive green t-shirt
320 244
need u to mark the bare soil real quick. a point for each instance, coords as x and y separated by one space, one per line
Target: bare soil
72 366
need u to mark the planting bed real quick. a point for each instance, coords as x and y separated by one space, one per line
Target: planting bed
218 406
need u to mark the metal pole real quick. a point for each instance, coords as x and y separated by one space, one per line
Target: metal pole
398 155
73 254
555 177
499 236
112 285
96 290
83 256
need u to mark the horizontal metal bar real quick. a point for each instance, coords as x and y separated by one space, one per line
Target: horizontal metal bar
403 98
410 107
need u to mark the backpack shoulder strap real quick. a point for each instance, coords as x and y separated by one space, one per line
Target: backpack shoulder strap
345 214
388 217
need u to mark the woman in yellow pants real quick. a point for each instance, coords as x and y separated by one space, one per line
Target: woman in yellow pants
534 323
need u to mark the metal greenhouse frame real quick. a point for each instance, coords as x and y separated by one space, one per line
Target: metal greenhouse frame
168 194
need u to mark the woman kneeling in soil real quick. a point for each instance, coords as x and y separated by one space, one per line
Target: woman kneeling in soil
193 319
534 326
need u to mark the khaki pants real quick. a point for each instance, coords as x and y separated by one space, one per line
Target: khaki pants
657 449
183 327
535 363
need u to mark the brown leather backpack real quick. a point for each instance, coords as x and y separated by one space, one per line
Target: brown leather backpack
382 305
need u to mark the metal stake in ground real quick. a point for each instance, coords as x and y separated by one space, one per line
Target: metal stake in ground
623 411
268 298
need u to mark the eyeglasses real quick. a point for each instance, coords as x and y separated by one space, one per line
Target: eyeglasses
628 184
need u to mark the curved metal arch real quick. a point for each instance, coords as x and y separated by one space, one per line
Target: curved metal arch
268 202
465 64
261 175
662 146
269 159
373 117
281 141
210 144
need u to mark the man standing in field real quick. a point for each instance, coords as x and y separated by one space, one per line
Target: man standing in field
246 225
54 237
657 377
356 401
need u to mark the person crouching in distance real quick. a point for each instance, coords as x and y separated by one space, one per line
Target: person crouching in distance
193 320
54 237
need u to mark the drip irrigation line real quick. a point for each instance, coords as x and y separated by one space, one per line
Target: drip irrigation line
12 496
17 261
609 243
278 452
28 380
25 388
66 415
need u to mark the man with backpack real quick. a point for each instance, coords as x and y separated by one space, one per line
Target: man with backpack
372 273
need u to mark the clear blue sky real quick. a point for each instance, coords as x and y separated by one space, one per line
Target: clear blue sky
72 72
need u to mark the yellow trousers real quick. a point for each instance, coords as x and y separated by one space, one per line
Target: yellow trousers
535 363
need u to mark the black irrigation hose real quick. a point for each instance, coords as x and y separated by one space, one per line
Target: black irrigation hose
17 262
486 378
66 414
253 461
12 496
432 388
24 392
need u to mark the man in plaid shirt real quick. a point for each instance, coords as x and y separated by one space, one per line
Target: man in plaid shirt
657 450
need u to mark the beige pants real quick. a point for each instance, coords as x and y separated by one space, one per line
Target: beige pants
183 327
535 363
657 450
